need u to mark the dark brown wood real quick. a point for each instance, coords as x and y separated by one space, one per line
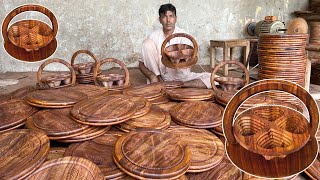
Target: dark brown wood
167 106
93 132
30 40
159 100
207 149
89 90
104 110
179 55
314 170
99 150
171 84
55 98
246 176
22 151
152 154
197 114
190 94
223 97
13 113
22 92
147 91
55 153
142 104
71 168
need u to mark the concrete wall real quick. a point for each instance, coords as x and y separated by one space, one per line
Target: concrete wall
116 28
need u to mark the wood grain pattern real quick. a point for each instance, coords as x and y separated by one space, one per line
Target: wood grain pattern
99 150
159 100
190 94
84 70
197 114
156 118
87 135
55 153
167 106
104 110
14 113
55 98
207 150
147 91
68 168
171 84
21 152
89 90
246 176
314 170
223 97
152 154
142 104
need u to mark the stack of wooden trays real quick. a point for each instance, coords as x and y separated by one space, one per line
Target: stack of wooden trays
197 114
314 170
223 97
89 90
58 125
190 94
14 114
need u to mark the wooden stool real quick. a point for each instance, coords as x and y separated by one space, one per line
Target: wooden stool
225 44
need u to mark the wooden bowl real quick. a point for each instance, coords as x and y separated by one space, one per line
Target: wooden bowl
179 52
230 83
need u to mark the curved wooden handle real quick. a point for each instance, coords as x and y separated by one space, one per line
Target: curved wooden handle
99 63
267 85
85 52
245 70
195 44
29 7
39 74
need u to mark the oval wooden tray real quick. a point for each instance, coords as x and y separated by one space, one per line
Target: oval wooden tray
197 114
22 151
55 98
147 91
207 149
184 94
156 118
94 132
68 168
104 110
152 154
89 90
14 113
99 150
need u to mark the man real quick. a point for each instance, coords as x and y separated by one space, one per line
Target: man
151 65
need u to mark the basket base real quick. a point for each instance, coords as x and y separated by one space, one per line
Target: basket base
182 64
257 165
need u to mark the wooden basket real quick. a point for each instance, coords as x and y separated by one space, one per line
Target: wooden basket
275 136
57 80
30 40
179 55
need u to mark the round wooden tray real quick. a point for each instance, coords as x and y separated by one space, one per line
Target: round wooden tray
22 151
55 153
14 113
156 118
207 149
314 170
55 98
184 94
197 114
159 100
268 168
99 150
171 84
89 90
93 132
167 106
223 97
104 110
143 105
71 168
152 154
147 91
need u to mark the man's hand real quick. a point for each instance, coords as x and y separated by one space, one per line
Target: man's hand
149 74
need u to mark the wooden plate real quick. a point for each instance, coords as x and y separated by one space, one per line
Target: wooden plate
207 150
197 114
104 110
167 106
89 90
143 105
152 154
156 118
22 151
223 97
92 133
55 153
68 168
51 98
159 100
14 112
147 91
99 150
314 170
190 93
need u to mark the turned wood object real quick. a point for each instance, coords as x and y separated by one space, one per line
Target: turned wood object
148 91
179 55
92 133
89 90
190 94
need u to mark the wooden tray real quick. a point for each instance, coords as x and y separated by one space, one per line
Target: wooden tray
223 97
104 110
171 84
184 94
152 154
246 176
197 114
142 104
22 151
91 134
156 118
14 113
159 100
71 168
314 170
55 98
30 40
55 153
147 91
268 168
99 150
89 90
167 106
207 149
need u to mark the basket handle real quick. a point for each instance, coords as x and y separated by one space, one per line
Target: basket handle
39 74
195 44
85 52
99 63
28 7
245 70
267 85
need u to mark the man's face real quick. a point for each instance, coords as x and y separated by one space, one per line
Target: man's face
168 21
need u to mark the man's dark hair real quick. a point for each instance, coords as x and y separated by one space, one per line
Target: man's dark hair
167 7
